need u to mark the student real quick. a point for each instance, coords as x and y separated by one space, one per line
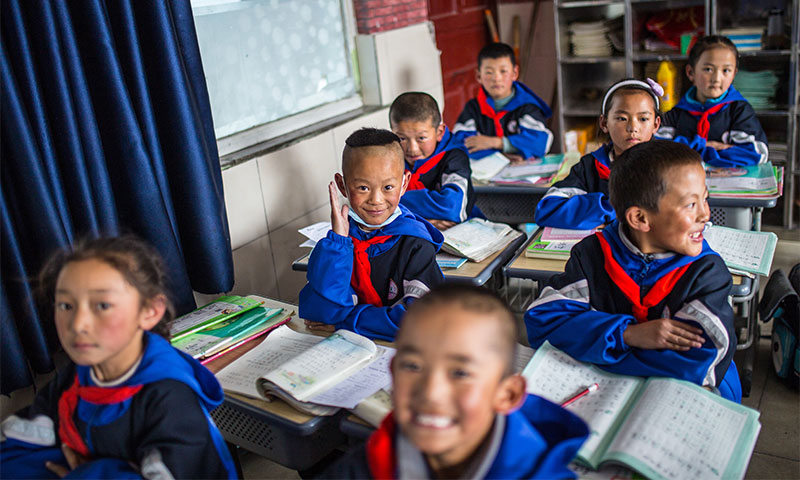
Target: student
459 409
647 296
129 405
363 275
506 116
629 115
713 117
440 188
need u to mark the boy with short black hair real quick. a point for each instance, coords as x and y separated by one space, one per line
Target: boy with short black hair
506 116
370 266
647 295
460 411
440 188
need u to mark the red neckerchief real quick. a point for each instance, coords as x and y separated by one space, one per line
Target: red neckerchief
703 125
68 402
631 289
415 183
362 269
487 110
380 451
602 170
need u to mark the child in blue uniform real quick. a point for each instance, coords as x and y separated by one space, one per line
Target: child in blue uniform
378 256
129 405
506 116
713 117
440 187
629 115
647 296
459 409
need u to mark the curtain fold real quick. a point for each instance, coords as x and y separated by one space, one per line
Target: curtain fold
106 129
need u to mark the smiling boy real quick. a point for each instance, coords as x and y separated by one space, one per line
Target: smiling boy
506 115
459 409
378 256
440 188
647 296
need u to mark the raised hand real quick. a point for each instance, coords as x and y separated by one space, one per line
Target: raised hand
339 223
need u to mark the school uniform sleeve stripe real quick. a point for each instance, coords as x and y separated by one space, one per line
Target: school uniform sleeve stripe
461 183
564 192
530 123
714 328
414 288
738 137
666 133
40 430
578 291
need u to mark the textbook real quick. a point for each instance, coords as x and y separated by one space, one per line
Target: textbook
477 239
743 250
532 170
445 260
215 312
661 427
555 242
488 166
216 338
752 181
317 375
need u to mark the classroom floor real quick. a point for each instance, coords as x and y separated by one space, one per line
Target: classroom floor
777 453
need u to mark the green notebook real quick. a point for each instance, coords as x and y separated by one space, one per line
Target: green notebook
211 314
660 427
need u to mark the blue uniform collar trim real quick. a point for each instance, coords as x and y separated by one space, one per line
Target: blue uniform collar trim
645 269
689 100
522 96
407 223
602 154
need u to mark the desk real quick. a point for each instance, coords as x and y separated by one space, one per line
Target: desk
274 429
472 273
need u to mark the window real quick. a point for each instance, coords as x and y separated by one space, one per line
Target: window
274 66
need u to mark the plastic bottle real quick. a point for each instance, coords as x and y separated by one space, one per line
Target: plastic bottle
667 77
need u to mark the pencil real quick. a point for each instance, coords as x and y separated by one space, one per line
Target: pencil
591 388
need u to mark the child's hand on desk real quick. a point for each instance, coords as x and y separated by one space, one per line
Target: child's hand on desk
74 460
319 326
515 158
663 333
442 224
718 145
483 142
339 223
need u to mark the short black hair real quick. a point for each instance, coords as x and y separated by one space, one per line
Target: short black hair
370 137
637 177
497 50
415 107
474 299
709 42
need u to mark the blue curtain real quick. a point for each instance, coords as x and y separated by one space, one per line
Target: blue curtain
106 129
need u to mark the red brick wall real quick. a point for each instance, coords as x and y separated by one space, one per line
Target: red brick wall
380 15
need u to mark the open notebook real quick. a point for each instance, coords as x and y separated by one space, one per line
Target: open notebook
661 427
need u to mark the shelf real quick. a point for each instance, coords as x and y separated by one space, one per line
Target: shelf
588 3
656 56
775 113
574 60
765 53
581 112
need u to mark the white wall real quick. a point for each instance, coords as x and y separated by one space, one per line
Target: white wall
270 197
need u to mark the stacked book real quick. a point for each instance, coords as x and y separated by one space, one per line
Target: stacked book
223 325
755 181
477 239
759 88
555 243
745 38
533 170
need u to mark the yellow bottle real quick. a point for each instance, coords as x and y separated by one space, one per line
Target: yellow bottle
667 77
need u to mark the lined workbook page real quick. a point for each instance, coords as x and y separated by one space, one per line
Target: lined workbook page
679 433
327 362
556 376
280 346
743 249
361 384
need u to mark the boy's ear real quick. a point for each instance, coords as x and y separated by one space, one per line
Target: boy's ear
515 73
406 179
339 179
510 394
478 74
153 312
439 132
638 219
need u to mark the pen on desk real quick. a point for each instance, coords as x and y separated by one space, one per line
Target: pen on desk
591 388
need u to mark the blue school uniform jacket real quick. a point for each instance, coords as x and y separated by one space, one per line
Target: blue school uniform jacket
441 185
536 441
521 120
609 284
580 201
402 268
154 423
730 119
